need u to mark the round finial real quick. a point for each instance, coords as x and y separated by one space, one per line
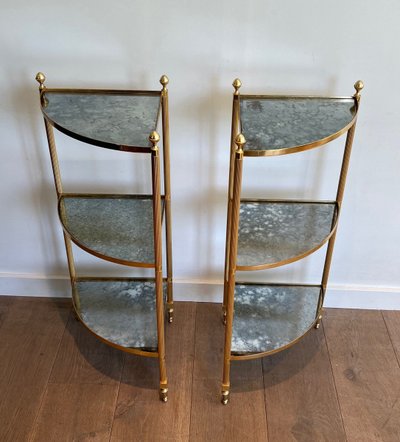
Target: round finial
240 141
358 86
236 84
40 78
164 80
154 138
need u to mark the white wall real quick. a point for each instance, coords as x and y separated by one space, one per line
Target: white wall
273 46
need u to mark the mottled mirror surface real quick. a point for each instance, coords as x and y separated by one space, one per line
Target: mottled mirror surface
110 118
120 228
269 317
123 312
279 123
272 232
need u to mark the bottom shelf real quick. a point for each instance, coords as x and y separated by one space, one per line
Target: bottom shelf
121 312
270 317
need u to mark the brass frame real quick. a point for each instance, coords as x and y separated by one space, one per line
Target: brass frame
161 204
232 225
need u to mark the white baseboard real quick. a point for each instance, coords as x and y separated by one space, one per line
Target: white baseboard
338 296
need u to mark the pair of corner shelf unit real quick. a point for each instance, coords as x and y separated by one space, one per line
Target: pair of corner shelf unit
129 313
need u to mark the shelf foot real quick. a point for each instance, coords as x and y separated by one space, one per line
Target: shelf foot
318 323
225 397
223 317
170 315
163 394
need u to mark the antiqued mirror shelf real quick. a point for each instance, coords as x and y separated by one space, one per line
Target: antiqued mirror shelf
284 125
118 228
119 311
273 233
120 120
268 318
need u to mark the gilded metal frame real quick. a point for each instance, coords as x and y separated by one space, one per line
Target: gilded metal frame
161 204
237 153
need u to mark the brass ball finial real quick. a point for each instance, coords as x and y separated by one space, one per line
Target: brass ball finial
154 139
40 78
358 86
240 141
237 84
164 80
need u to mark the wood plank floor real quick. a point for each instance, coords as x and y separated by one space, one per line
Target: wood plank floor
59 383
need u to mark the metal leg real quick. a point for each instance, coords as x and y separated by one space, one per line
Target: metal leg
155 162
230 293
167 190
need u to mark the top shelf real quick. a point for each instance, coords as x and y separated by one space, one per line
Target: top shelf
274 125
120 120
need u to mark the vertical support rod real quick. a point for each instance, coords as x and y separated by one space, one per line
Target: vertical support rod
234 131
167 191
237 183
57 181
339 199
155 170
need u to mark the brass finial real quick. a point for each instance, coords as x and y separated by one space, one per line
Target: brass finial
40 78
237 84
164 80
358 86
154 139
240 141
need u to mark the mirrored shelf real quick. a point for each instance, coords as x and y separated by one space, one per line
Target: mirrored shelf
119 311
273 233
118 228
268 318
283 125
119 120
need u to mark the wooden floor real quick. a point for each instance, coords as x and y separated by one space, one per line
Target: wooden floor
59 383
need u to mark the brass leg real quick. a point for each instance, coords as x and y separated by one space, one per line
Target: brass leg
234 131
167 201
160 312
230 289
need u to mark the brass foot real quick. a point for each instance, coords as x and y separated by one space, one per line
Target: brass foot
223 316
164 394
318 323
170 314
225 397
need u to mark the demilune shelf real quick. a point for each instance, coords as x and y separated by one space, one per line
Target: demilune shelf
270 317
111 119
121 312
272 233
118 228
281 125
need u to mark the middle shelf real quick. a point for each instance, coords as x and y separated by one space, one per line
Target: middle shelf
273 233
118 228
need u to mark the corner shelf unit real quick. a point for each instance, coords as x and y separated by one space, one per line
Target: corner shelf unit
126 313
262 319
